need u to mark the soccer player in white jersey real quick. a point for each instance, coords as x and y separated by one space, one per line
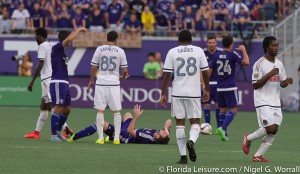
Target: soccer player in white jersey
43 68
267 78
186 62
108 59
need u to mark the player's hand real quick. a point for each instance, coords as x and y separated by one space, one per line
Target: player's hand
274 71
289 80
137 110
81 29
241 48
206 96
125 76
30 87
163 100
91 83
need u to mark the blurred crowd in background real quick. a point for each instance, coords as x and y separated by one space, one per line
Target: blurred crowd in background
151 17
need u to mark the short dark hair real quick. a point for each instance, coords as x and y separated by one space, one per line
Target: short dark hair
164 140
41 32
185 36
112 36
267 41
150 54
63 34
212 36
227 41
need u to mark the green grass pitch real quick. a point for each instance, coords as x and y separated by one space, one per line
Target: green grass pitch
19 155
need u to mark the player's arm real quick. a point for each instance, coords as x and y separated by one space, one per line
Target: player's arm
70 38
245 60
137 112
124 73
36 73
93 74
163 97
286 82
261 82
168 126
205 76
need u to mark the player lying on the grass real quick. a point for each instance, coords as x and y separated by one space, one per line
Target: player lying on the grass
43 68
267 78
128 132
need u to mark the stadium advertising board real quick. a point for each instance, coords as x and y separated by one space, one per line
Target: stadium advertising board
13 92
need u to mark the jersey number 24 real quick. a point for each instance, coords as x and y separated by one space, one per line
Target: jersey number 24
223 67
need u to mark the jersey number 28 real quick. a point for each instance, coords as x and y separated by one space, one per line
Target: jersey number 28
191 68
223 67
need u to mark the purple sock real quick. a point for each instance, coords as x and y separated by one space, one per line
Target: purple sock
218 117
62 121
207 115
221 118
228 119
54 123
86 132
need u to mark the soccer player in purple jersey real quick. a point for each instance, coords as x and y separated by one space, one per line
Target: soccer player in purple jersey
128 132
59 85
225 63
210 51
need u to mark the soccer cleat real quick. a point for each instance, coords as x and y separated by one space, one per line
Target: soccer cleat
191 149
222 134
65 134
99 141
183 160
69 132
259 159
55 139
246 145
60 136
35 135
71 140
107 139
116 141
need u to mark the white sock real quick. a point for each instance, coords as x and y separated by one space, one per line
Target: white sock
180 136
194 132
257 134
64 127
41 120
99 124
267 142
117 124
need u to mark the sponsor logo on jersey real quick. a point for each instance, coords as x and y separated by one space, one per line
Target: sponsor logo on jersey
274 79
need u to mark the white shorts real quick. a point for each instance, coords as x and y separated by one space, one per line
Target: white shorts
267 116
46 90
186 108
107 95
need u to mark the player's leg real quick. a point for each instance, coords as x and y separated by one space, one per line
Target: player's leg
114 103
223 109
100 105
206 110
178 111
217 113
193 111
214 97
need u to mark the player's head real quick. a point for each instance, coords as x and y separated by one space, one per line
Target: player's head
185 37
227 42
41 35
151 57
162 137
112 36
211 43
62 35
271 45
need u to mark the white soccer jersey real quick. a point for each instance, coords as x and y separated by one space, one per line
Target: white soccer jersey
269 94
109 59
186 62
44 53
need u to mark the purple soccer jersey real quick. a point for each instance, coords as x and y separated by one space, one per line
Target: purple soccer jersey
78 19
188 19
97 20
251 3
163 6
114 12
143 136
135 24
225 62
172 17
220 6
209 56
59 61
36 15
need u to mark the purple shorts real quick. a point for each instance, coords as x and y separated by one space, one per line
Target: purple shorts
60 94
228 99
123 135
213 94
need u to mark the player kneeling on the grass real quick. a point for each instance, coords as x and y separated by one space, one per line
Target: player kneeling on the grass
267 78
186 62
225 64
59 86
108 59
128 132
